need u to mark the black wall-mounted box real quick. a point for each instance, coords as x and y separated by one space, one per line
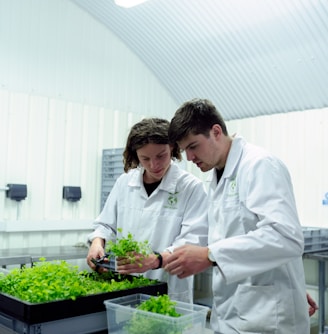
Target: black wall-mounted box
16 192
72 194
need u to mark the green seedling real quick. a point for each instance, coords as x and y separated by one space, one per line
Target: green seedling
141 323
127 247
59 280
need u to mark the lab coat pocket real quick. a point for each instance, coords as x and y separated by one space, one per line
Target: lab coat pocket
256 309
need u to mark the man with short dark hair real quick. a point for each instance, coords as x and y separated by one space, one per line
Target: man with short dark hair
255 240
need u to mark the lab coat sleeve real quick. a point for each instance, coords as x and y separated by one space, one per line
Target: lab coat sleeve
194 229
267 211
105 226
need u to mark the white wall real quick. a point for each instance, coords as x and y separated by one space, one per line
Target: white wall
64 96
54 48
47 143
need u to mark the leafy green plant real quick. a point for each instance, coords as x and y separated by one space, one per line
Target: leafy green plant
128 247
161 304
58 280
141 323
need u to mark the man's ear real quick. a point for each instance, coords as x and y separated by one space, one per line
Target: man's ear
217 130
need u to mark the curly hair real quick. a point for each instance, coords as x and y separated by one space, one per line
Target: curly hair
147 131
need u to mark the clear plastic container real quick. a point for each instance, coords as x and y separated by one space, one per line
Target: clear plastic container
123 317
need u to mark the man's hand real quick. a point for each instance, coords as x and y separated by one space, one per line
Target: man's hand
187 260
312 305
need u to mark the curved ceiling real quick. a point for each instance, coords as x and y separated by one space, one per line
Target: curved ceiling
249 57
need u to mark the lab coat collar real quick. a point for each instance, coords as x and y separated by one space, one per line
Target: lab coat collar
168 183
170 179
234 155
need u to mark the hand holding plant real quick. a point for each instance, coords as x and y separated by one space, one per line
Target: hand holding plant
132 256
136 263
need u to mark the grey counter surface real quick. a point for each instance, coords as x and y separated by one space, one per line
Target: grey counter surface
33 254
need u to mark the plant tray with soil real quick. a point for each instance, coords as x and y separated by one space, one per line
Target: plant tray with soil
55 290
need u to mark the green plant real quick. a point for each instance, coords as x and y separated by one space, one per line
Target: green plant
141 323
58 280
128 247
161 304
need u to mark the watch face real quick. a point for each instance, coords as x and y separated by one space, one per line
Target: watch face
210 256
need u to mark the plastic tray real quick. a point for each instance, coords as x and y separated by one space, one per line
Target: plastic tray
32 313
121 313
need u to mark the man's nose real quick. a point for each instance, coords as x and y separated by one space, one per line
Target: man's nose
189 155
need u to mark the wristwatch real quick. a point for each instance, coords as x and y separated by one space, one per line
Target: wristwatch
211 258
160 259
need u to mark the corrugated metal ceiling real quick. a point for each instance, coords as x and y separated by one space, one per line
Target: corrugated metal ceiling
250 57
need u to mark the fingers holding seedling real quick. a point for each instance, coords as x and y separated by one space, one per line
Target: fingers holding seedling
133 256
128 250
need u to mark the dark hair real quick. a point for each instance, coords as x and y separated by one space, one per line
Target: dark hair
196 116
149 130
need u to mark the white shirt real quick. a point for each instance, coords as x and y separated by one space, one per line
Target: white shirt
257 241
173 215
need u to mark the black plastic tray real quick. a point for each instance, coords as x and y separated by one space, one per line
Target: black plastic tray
33 313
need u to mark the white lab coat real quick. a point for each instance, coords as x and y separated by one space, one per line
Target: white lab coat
257 241
174 214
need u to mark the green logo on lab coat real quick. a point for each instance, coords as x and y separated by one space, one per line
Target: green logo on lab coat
172 200
232 188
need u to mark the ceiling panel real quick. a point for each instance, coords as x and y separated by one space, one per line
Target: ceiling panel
249 57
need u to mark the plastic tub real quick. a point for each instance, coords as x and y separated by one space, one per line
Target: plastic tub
123 317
